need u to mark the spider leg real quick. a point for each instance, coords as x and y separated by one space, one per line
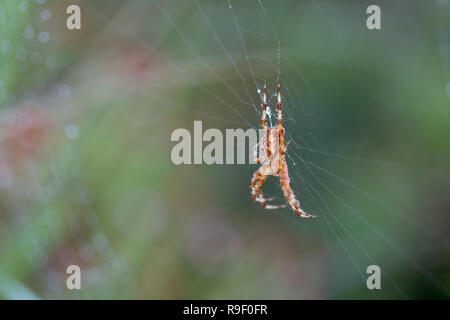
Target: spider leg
264 200
263 116
261 199
289 194
263 122
255 179
280 122
268 206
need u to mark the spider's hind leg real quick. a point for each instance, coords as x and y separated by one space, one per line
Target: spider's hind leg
289 194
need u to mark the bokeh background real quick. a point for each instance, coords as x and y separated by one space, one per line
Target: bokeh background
86 176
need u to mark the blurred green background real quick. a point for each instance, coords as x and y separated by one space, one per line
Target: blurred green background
86 176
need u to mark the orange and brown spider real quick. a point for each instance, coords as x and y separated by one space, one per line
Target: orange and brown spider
272 155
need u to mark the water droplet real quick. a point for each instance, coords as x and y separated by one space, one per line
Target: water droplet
71 131
23 6
100 241
44 37
46 14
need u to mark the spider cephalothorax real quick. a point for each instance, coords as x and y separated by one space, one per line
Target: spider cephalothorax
272 156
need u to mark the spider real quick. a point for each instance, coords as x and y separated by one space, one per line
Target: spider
272 153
